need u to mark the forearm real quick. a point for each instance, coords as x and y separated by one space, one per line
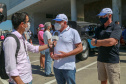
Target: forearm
17 79
62 54
75 51
105 42
43 47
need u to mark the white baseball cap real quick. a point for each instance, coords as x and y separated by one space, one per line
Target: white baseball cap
105 11
61 17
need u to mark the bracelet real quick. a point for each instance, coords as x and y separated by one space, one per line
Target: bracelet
48 46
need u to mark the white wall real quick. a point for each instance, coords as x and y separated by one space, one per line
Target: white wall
40 18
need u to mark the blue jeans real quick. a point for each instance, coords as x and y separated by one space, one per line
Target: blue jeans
25 83
48 62
62 76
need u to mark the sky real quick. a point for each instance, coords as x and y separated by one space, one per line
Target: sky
7 25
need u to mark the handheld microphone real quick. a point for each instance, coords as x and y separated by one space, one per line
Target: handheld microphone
55 37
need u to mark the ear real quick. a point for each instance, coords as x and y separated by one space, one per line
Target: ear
110 15
22 24
65 22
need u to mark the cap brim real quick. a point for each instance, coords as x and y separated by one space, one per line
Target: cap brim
57 19
101 14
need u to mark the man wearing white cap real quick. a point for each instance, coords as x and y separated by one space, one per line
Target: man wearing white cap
68 45
107 38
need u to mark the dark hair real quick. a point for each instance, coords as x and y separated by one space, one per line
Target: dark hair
116 22
17 18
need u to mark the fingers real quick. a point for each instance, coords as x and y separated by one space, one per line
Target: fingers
55 57
54 43
61 52
51 45
116 43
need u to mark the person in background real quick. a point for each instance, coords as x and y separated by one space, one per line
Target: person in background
47 39
30 35
26 35
52 29
41 42
2 36
124 34
117 22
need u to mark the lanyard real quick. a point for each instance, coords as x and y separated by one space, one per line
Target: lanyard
25 46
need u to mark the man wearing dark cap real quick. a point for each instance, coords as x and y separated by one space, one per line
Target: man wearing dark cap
107 39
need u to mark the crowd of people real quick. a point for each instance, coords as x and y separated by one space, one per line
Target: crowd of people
63 51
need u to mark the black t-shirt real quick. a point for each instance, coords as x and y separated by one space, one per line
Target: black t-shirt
109 54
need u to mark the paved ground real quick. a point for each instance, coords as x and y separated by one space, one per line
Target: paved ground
86 70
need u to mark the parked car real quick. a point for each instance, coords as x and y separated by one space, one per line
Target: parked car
86 31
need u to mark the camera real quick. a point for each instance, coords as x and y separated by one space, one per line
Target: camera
3 12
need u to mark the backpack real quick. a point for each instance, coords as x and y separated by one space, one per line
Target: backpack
3 74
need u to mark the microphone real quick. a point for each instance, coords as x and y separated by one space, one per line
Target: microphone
55 37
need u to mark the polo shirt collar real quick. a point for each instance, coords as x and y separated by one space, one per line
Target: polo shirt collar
66 29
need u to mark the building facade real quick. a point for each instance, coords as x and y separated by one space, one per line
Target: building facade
41 11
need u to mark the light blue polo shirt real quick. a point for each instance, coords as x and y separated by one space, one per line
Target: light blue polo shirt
66 43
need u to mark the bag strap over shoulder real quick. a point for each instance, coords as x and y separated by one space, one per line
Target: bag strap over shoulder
17 41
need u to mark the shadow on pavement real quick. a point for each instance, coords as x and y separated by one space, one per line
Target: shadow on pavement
124 61
36 70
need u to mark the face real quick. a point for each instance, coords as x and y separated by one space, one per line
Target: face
50 27
61 23
105 18
40 28
25 23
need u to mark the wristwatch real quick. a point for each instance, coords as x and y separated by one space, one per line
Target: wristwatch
95 41
48 46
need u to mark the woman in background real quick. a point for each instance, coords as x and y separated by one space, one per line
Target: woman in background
41 42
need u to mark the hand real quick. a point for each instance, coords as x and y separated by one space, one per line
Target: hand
93 41
53 56
54 42
1 10
50 44
116 43
59 56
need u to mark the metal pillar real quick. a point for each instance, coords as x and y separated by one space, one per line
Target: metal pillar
116 7
73 10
